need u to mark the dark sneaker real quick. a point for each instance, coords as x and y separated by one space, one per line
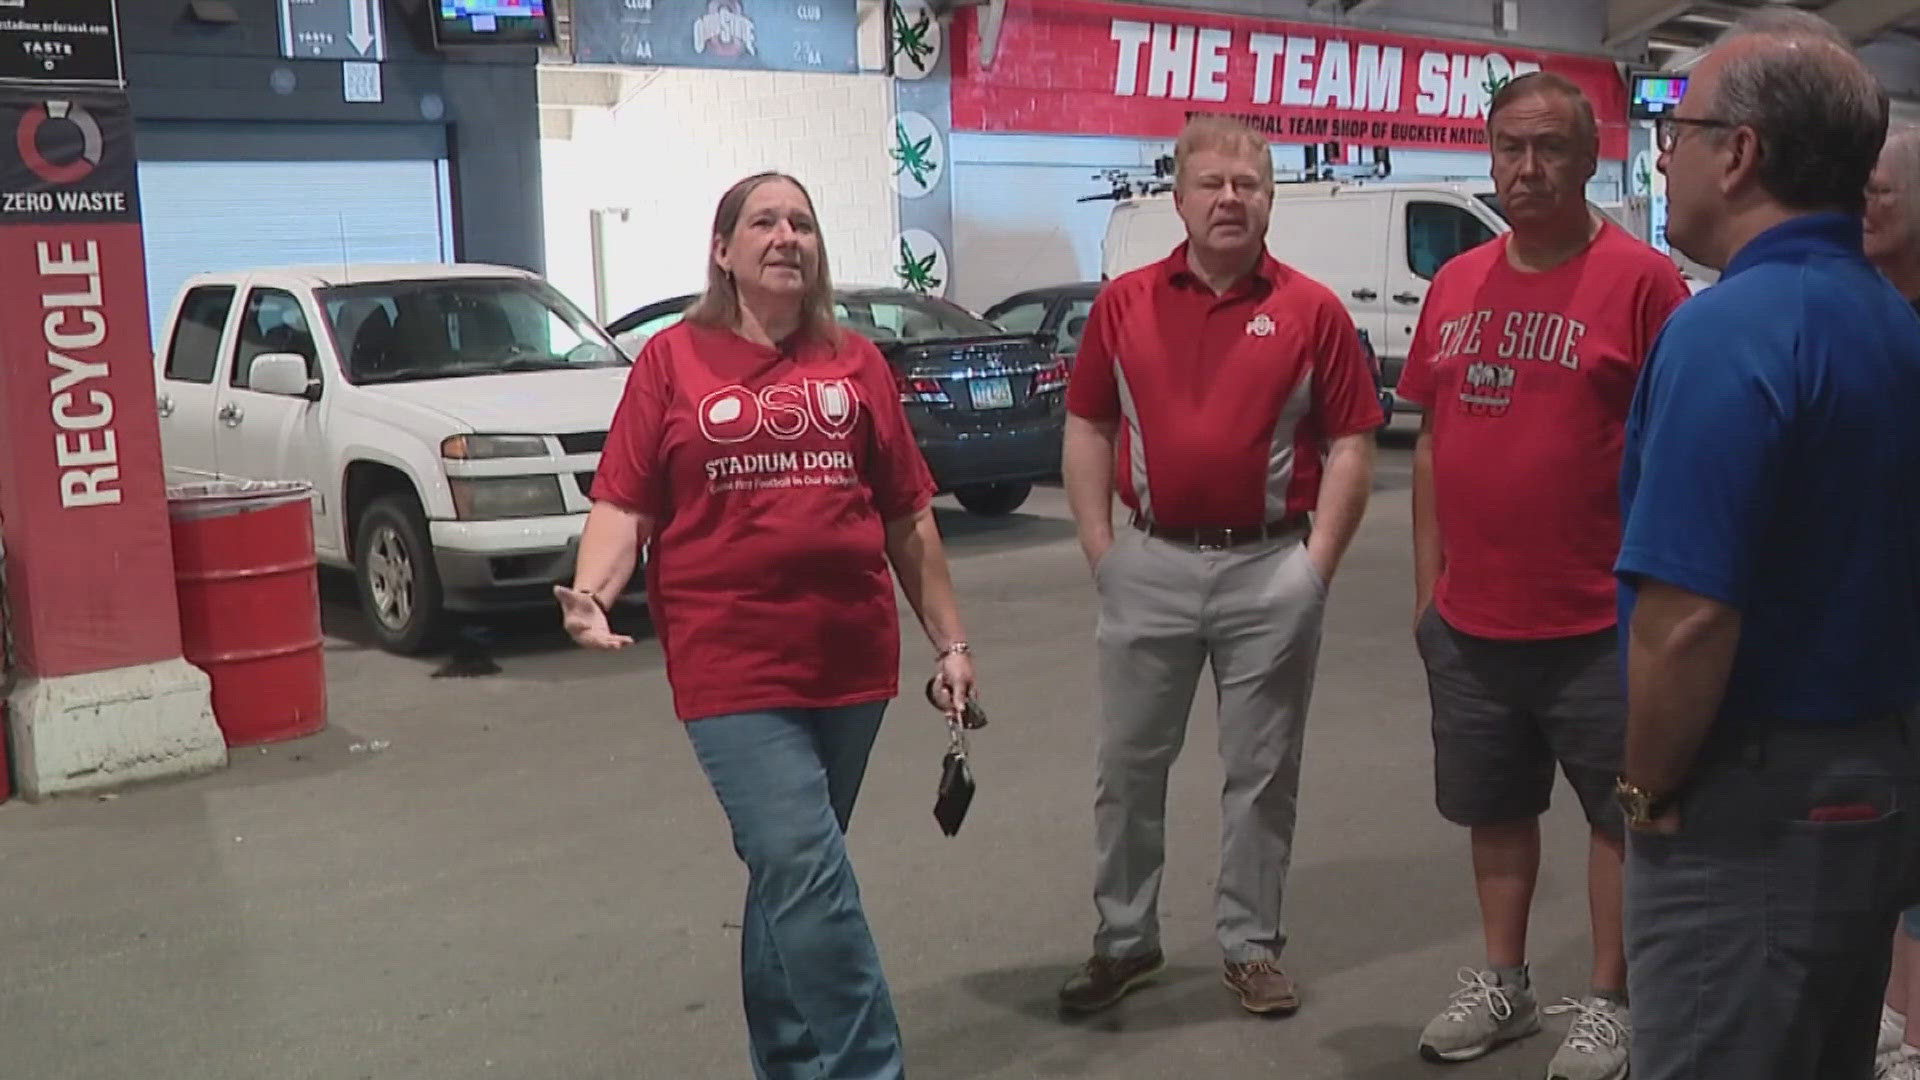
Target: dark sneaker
1263 987
1104 980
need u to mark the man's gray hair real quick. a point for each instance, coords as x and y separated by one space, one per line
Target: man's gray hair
1901 156
1785 20
1819 113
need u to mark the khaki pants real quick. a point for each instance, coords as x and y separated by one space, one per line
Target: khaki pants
1252 614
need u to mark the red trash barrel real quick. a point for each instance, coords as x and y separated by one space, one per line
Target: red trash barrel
250 605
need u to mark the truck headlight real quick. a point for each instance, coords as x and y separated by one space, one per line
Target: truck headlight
478 447
491 498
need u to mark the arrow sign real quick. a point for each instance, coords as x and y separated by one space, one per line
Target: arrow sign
332 30
359 25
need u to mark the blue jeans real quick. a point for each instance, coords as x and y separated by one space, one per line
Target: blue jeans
1758 937
817 1004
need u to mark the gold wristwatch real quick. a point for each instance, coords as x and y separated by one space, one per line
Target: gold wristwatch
1641 806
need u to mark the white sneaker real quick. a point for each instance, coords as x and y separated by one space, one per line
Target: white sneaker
1893 1032
1596 1047
1482 1015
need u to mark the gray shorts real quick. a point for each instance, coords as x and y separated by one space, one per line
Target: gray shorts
1505 712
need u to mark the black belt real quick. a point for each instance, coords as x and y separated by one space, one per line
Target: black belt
1215 537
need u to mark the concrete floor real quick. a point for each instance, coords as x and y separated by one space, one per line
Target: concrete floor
533 881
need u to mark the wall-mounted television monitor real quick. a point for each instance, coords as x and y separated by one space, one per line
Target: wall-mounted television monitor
492 22
1654 95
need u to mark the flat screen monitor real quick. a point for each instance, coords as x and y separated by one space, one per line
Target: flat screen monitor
492 22
1654 96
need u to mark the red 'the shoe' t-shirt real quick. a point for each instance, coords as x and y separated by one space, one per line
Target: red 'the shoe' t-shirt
770 477
1528 379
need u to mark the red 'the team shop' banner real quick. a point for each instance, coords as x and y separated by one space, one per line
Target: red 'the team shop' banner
1082 67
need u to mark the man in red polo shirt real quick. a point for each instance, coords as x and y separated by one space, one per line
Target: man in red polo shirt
1525 362
1228 396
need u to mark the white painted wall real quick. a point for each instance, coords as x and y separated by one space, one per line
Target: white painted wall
680 139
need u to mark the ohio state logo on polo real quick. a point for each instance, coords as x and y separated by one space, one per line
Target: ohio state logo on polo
770 477
1226 404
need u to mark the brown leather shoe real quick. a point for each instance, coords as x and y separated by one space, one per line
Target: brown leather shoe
1104 980
1263 987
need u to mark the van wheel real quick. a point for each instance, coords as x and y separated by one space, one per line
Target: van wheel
399 585
994 500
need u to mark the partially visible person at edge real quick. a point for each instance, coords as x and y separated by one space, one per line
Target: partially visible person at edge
1770 583
1524 366
763 453
1892 240
1235 396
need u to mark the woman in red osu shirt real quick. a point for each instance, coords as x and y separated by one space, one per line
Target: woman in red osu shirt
763 452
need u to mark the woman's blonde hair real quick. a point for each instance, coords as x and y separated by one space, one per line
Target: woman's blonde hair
719 305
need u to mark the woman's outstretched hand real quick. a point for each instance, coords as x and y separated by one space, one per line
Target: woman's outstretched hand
586 622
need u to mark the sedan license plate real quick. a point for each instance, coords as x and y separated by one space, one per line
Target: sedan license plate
992 393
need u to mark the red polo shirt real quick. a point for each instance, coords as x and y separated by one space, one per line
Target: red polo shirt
1226 403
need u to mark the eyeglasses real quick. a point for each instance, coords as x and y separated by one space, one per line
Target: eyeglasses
1666 129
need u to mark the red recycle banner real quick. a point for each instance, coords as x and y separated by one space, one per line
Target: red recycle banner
89 557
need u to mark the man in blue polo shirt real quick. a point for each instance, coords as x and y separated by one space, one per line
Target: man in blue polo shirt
1770 584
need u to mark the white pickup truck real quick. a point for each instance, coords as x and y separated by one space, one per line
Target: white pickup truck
449 418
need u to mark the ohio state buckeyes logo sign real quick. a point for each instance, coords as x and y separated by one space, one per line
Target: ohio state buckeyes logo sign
724 30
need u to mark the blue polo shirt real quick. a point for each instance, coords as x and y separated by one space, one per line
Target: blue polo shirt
1771 464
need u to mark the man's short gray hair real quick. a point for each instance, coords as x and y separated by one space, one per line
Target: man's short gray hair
1819 113
1901 156
1785 20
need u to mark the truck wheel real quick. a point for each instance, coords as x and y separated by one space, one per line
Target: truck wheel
399 584
994 500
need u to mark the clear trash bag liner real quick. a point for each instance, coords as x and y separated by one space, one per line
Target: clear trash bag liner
220 498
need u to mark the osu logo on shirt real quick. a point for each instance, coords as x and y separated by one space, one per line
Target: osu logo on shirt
1487 389
735 414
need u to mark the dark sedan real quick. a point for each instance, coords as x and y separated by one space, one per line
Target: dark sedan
987 406
1057 314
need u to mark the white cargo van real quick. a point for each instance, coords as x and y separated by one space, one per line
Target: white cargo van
1376 245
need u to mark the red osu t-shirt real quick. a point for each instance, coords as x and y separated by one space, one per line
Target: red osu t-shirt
770 477
1528 379
1226 403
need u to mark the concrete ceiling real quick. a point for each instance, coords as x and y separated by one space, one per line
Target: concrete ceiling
1677 30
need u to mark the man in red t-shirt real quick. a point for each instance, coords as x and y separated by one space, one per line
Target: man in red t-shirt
1234 395
1525 364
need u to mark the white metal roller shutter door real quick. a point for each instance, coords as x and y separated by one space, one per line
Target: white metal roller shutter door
201 216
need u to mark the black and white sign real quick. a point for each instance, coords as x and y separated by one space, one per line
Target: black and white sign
66 41
69 158
360 82
332 30
755 35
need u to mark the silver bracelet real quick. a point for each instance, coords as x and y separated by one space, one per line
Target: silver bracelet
959 647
